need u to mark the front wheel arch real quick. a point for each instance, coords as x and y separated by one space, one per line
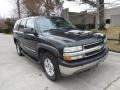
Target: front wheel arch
42 48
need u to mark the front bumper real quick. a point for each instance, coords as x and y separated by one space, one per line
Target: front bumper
69 68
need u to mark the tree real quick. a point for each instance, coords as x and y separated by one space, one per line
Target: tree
100 11
90 2
25 8
2 23
10 24
18 8
101 14
32 7
40 7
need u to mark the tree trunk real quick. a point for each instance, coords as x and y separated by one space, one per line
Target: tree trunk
18 7
101 11
101 15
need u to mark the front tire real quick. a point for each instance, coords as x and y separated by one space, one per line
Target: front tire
50 66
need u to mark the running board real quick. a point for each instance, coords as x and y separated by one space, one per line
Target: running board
30 58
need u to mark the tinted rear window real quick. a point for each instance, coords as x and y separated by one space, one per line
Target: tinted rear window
17 25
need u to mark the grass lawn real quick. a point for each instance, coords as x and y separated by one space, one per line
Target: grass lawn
113 45
112 33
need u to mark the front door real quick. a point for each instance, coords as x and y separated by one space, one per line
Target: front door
30 40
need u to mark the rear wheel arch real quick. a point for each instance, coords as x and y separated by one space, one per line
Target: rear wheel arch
15 40
19 49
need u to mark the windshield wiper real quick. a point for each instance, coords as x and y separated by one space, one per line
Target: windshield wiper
50 30
68 27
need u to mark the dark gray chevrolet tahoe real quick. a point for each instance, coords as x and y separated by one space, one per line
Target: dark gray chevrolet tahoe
58 46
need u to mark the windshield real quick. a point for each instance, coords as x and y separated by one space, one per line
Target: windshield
56 23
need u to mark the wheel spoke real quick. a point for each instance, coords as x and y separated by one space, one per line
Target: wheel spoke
49 67
18 48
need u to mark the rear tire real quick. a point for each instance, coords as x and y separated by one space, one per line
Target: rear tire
50 66
19 50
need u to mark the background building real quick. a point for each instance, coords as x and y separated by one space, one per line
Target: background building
112 16
86 20
83 20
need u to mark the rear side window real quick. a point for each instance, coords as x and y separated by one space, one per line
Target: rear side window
22 25
30 23
16 25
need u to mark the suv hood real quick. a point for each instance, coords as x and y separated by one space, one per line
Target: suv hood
74 37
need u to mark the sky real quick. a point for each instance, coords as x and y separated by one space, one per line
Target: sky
7 7
75 7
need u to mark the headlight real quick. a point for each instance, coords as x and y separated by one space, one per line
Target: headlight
72 53
99 34
73 49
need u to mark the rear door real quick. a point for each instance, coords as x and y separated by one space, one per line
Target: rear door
20 31
15 29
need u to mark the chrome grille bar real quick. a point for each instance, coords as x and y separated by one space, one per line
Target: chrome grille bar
84 51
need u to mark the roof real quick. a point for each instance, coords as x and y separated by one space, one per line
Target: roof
40 17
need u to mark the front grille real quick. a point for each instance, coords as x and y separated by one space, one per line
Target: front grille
102 52
94 52
93 45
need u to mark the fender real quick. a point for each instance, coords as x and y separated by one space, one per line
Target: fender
49 48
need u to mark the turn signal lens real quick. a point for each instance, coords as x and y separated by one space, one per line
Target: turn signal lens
67 58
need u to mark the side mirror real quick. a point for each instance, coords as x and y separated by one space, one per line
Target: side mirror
21 26
28 31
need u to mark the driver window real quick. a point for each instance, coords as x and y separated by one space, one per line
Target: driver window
22 25
30 23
